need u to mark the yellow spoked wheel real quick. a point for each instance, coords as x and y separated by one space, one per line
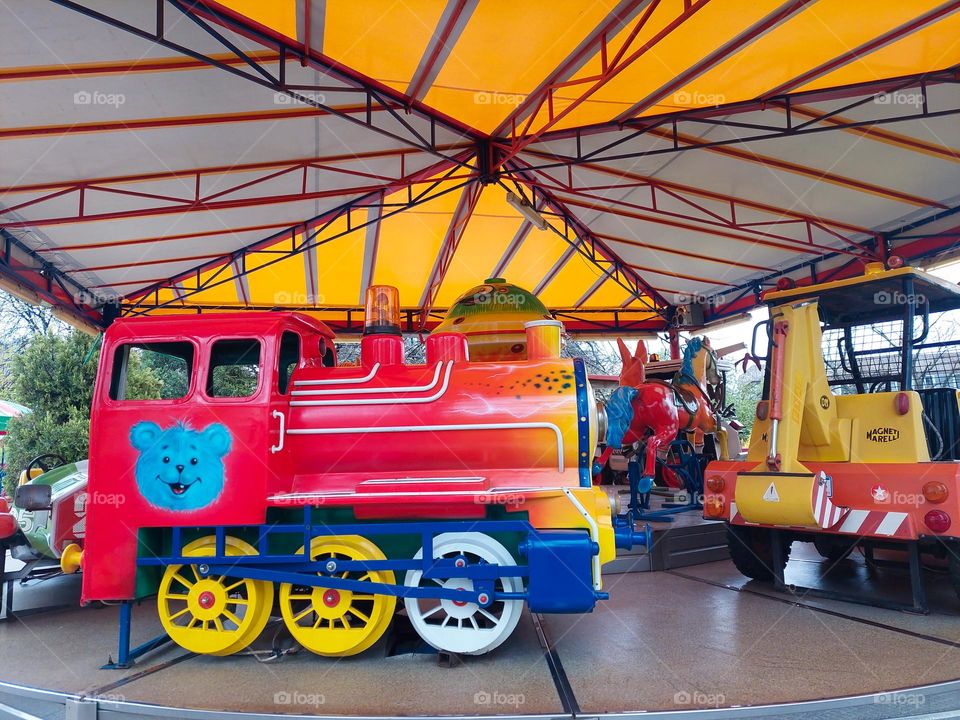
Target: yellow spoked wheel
217 614
339 622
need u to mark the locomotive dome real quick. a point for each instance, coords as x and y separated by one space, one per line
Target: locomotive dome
492 317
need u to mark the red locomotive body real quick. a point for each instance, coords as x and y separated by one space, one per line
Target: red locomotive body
270 447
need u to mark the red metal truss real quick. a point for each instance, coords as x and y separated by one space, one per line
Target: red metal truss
198 201
872 132
520 137
182 121
22 268
376 98
527 136
297 239
658 191
125 67
575 232
862 95
722 53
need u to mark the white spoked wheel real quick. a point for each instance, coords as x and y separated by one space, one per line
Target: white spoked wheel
462 627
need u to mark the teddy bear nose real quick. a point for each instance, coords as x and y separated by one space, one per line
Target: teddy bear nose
179 468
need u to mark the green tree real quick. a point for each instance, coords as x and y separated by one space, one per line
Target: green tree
54 375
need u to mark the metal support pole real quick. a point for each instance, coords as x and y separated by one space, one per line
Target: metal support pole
906 359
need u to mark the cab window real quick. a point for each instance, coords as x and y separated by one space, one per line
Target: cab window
234 370
151 371
288 359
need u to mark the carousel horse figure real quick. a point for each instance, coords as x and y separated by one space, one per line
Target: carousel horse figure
656 411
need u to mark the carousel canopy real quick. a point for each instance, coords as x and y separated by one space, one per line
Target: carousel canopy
617 158
8 411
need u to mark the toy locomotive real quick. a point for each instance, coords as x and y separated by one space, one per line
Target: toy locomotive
462 488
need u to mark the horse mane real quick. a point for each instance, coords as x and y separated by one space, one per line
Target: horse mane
689 353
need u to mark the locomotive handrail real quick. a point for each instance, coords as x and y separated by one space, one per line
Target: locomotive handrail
356 391
342 381
384 400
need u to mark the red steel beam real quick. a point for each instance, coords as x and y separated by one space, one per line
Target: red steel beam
184 205
733 201
680 253
448 165
596 42
798 169
808 248
875 133
658 215
165 238
192 173
608 73
721 54
126 67
182 121
730 110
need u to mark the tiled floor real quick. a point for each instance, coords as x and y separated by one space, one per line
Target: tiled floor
695 637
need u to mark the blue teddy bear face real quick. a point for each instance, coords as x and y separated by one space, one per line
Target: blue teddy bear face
180 468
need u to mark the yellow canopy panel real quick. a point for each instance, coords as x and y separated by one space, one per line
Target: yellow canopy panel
619 158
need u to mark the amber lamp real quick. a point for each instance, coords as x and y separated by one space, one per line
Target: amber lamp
383 311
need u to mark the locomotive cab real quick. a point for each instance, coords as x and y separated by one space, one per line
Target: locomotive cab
164 454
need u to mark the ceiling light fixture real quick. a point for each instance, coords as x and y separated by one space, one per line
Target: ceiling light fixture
527 210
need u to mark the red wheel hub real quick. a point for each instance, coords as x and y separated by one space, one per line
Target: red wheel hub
206 600
460 603
331 598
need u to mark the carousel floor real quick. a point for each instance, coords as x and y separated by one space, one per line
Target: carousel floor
680 640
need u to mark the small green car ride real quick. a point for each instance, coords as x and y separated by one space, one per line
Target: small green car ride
47 515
